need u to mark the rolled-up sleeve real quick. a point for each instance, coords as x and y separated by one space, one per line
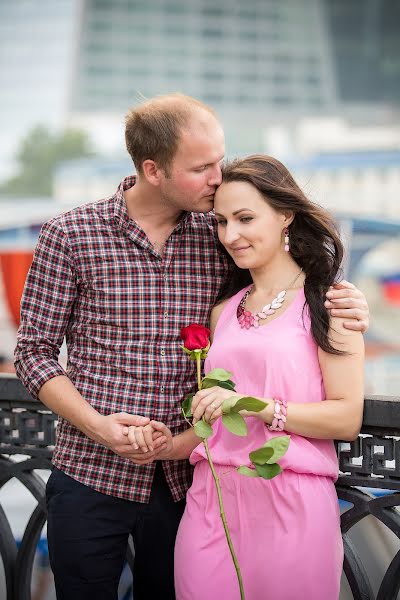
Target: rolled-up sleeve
49 294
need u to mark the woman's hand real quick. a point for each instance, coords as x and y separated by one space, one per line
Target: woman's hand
141 438
150 439
208 402
266 414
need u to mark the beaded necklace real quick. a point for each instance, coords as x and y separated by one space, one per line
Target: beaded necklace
248 319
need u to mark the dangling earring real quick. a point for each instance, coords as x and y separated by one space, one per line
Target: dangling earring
286 233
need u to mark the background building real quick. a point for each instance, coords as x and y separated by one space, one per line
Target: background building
259 63
37 43
365 45
245 59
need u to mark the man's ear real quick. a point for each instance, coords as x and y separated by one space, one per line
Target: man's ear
151 172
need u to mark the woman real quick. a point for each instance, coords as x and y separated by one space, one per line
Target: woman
274 334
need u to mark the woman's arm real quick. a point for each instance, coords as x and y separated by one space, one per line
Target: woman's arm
181 446
339 416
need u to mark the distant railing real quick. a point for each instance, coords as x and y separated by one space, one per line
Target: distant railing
371 462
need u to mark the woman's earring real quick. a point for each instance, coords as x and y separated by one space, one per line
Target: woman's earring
286 232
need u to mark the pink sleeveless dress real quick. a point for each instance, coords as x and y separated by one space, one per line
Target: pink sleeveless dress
286 531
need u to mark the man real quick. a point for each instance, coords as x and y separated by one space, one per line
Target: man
119 278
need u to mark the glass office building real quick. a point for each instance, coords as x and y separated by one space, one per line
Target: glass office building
365 38
246 59
36 48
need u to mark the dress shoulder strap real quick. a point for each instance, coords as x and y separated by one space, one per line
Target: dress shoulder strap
229 310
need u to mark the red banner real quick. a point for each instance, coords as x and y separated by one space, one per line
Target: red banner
14 267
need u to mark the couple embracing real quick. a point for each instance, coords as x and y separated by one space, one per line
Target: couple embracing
118 279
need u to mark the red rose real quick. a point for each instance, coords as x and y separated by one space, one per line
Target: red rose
195 337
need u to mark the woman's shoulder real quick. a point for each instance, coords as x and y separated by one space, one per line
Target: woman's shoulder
216 313
219 308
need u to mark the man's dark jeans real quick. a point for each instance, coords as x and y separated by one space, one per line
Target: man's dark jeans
88 534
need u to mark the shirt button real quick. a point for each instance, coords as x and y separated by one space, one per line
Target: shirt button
165 314
162 352
162 388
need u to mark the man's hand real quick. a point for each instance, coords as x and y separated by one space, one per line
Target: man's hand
346 301
110 431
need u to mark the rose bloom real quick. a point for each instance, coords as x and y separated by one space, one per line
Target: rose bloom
195 337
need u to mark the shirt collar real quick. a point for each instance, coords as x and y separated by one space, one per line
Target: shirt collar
120 213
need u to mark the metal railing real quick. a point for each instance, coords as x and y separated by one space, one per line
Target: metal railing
372 462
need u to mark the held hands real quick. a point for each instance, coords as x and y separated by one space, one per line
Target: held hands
149 442
346 301
112 431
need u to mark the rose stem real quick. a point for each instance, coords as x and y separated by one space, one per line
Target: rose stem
219 494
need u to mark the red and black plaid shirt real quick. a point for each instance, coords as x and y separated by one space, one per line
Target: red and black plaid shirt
97 281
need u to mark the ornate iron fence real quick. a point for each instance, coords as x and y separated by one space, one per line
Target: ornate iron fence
371 462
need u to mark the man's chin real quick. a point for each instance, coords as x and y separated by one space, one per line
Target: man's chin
205 206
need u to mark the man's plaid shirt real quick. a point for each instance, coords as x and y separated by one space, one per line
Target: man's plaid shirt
97 281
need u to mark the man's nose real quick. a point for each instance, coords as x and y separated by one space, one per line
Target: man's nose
215 176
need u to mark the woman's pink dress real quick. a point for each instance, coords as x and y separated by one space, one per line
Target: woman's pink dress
286 531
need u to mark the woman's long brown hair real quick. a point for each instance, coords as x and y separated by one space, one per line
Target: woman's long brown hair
314 240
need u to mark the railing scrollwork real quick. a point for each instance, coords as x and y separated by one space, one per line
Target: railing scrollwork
369 483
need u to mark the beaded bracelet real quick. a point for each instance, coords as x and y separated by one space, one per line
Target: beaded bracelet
280 412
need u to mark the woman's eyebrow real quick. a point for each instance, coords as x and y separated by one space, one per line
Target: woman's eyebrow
236 211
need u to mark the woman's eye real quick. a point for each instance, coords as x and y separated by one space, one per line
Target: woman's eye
221 222
246 219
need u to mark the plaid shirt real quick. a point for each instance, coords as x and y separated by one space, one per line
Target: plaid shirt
97 281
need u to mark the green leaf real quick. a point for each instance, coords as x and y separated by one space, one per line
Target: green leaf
261 455
208 383
235 424
249 403
228 404
228 385
268 471
187 406
243 470
279 444
219 375
203 429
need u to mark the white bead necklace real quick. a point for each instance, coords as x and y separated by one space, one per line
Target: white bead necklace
248 319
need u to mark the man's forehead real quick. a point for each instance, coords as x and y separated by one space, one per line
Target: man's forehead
202 129
202 141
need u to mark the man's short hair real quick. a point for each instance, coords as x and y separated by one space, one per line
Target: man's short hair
154 127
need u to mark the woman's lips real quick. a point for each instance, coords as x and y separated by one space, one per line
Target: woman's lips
239 250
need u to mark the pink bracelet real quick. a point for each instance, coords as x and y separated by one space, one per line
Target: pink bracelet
280 412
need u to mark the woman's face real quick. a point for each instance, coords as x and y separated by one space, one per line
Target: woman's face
250 230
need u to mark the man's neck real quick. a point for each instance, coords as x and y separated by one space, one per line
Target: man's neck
147 209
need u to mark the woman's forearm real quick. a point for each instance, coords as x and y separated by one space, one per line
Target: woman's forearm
182 445
328 419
